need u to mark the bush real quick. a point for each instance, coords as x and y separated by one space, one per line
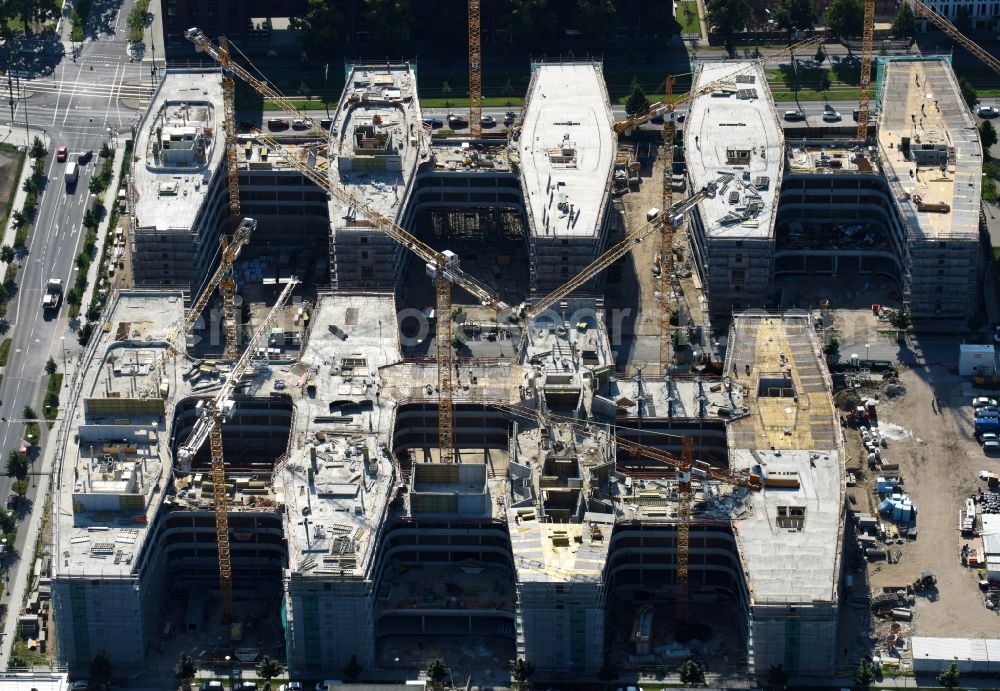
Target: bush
83 336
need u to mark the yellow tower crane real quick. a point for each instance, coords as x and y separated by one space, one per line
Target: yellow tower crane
866 69
209 425
475 72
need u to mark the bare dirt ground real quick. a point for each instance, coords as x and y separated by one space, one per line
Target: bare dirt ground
9 169
929 427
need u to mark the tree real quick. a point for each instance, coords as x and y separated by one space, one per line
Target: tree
352 670
528 19
845 18
437 671
905 23
105 151
101 670
20 219
389 20
29 413
7 254
864 675
727 18
637 101
50 366
691 673
987 136
20 487
793 15
17 464
596 18
968 92
777 677
185 669
8 522
267 669
963 20
820 55
521 670
38 148
319 27
949 677
900 320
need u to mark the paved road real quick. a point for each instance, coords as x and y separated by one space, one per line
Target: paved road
74 103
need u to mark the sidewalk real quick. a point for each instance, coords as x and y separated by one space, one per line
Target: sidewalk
17 138
102 229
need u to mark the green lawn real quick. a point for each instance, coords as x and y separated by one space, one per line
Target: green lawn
4 351
687 16
989 191
50 406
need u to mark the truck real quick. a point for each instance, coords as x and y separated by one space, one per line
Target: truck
53 294
987 424
71 173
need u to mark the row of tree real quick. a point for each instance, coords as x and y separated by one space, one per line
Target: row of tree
842 18
326 23
26 11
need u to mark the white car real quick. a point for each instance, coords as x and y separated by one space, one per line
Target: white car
79 685
981 401
487 120
988 112
291 686
831 115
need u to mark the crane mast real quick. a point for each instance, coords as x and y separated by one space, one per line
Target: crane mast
475 72
866 69
667 233
952 31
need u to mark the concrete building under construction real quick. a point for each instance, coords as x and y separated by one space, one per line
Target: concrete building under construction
546 540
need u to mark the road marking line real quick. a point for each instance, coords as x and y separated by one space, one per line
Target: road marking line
70 102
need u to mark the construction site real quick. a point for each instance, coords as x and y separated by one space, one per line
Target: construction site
369 398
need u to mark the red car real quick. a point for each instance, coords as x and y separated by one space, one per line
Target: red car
277 124
61 154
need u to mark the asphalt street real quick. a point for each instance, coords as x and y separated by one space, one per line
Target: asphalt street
73 104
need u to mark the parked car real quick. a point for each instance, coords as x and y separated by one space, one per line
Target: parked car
12 501
487 121
988 436
61 153
981 401
211 686
327 683
277 124
245 686
434 123
830 115
299 124
326 123
794 115
509 118
991 447
457 122
988 112
85 156
79 685
291 686
656 119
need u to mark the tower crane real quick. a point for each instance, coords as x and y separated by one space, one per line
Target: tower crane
686 468
868 32
209 425
662 107
443 267
230 251
475 72
671 216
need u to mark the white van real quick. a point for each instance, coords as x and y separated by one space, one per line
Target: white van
72 170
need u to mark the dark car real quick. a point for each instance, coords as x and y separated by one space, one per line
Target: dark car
434 123
457 122
85 156
509 118
12 501
326 123
277 124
